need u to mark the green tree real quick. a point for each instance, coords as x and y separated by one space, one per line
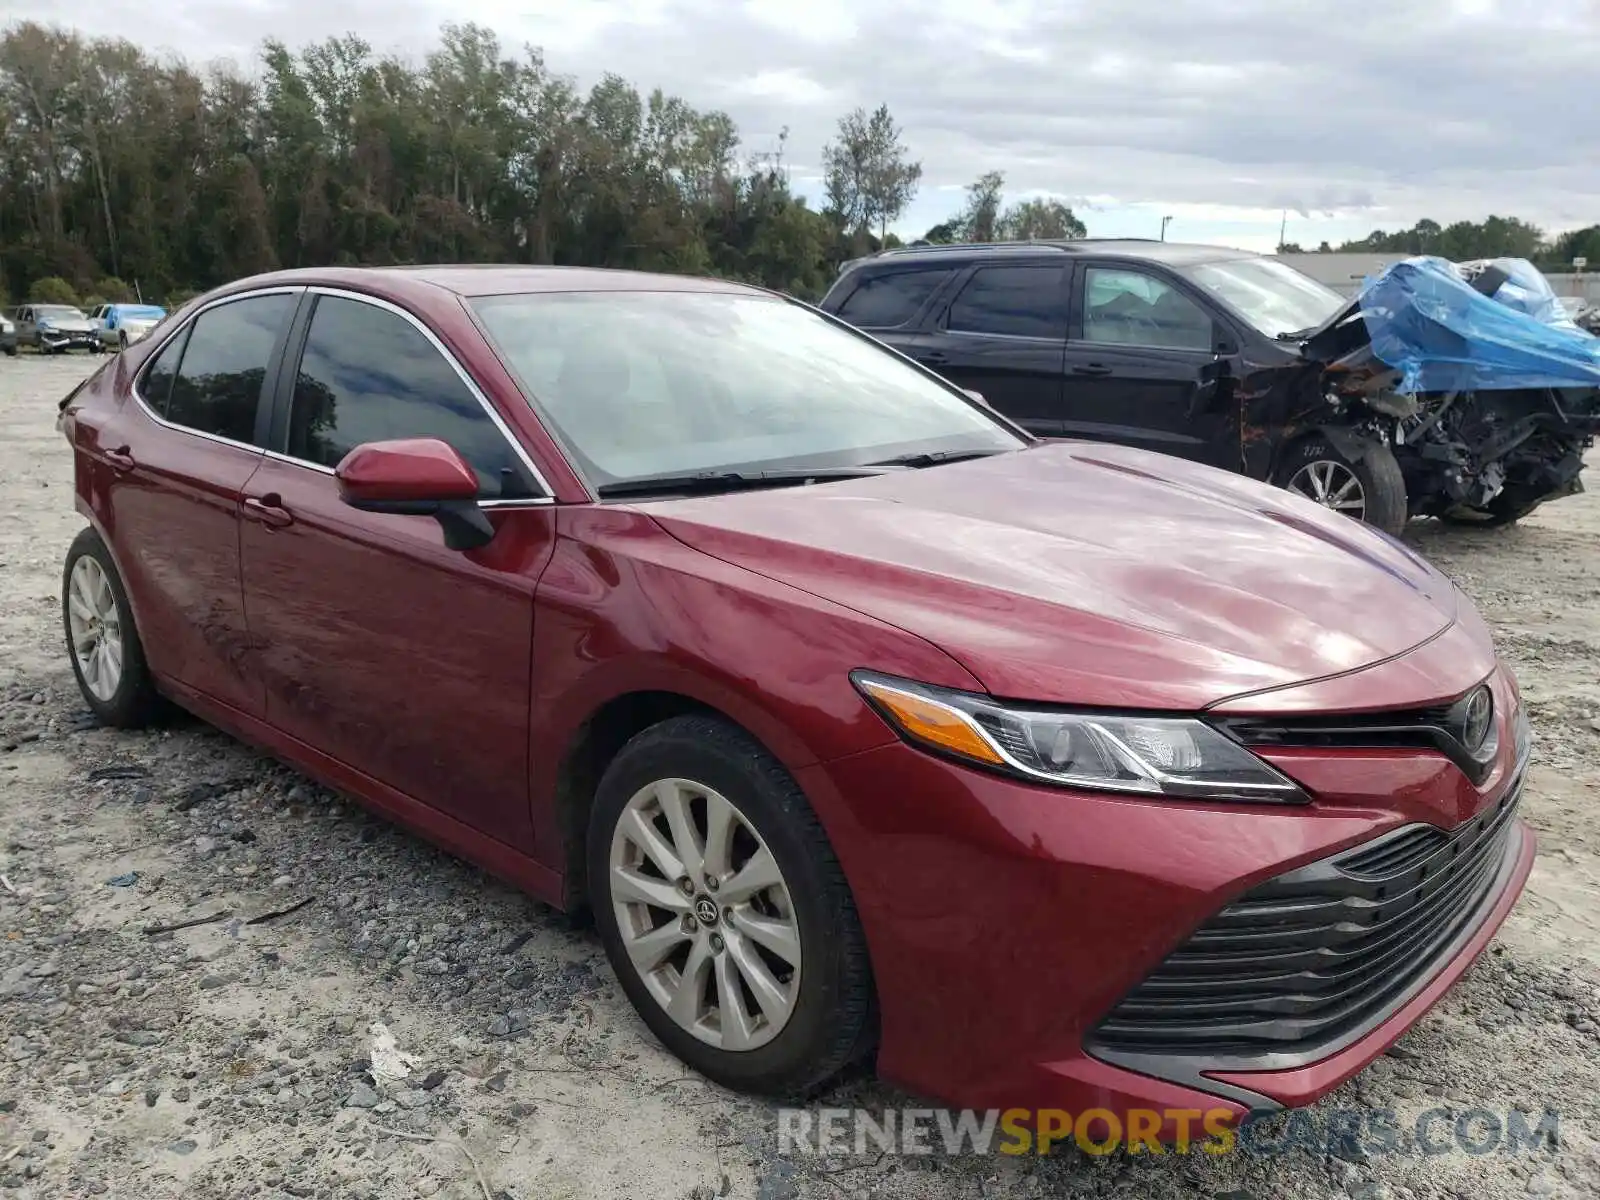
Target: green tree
868 173
52 289
1040 220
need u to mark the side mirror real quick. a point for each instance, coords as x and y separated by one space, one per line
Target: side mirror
422 477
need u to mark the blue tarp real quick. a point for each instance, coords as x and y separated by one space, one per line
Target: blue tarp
1427 322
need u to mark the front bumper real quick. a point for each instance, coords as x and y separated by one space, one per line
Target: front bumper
59 339
1006 921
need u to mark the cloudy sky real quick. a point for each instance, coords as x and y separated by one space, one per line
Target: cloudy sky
1224 114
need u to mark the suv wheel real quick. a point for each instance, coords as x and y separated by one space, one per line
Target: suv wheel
107 656
1371 489
724 912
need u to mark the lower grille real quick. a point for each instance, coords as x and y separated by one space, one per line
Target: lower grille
1303 960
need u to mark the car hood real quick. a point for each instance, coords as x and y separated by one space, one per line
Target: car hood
68 325
1090 574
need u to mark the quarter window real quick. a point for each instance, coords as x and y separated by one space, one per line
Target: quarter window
1131 308
891 299
217 386
156 386
369 375
1016 301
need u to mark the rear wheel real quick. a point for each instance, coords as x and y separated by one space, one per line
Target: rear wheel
724 911
102 642
1371 489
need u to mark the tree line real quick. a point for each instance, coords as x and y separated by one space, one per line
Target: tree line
1494 237
125 176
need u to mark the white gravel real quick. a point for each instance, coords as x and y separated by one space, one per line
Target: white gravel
411 993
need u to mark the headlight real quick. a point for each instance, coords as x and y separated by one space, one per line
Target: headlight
1177 757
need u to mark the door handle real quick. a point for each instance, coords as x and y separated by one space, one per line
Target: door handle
119 458
268 510
1091 369
934 358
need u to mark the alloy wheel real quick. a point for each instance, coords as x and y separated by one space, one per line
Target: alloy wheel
705 914
1332 485
95 627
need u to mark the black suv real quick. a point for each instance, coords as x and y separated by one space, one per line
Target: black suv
1197 351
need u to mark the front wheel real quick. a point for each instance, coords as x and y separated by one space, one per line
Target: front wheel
1370 489
724 911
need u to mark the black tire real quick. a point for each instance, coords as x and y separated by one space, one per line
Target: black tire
122 341
135 703
834 1018
1383 486
11 350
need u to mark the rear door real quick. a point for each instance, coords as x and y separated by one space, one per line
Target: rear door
169 472
1143 366
1002 334
889 302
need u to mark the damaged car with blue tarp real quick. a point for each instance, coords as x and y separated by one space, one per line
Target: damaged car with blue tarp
1463 391
1476 377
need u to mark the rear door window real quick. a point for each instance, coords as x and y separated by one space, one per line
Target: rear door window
219 380
892 298
1027 301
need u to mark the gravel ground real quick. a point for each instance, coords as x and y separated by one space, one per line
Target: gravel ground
417 1029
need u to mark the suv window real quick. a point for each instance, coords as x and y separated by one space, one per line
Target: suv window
217 387
1019 301
890 299
1131 308
368 375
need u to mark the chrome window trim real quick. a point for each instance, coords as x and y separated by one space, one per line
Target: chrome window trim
461 372
144 369
277 456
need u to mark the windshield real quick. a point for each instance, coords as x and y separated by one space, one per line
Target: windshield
1272 296
56 312
642 384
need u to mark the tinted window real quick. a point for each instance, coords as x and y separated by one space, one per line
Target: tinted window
883 301
1131 308
156 385
1023 301
368 375
224 365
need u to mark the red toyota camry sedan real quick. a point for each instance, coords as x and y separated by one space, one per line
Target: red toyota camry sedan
1051 776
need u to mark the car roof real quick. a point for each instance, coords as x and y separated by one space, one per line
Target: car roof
1148 250
469 279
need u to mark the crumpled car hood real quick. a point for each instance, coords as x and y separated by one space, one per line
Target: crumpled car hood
1092 574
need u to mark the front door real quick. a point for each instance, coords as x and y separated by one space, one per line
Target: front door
1003 335
1143 368
381 647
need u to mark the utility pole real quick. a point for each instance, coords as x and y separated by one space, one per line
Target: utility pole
1164 221
1283 230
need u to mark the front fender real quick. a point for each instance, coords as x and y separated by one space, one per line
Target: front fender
1353 444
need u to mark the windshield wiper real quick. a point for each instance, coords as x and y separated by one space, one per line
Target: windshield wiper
721 481
931 458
